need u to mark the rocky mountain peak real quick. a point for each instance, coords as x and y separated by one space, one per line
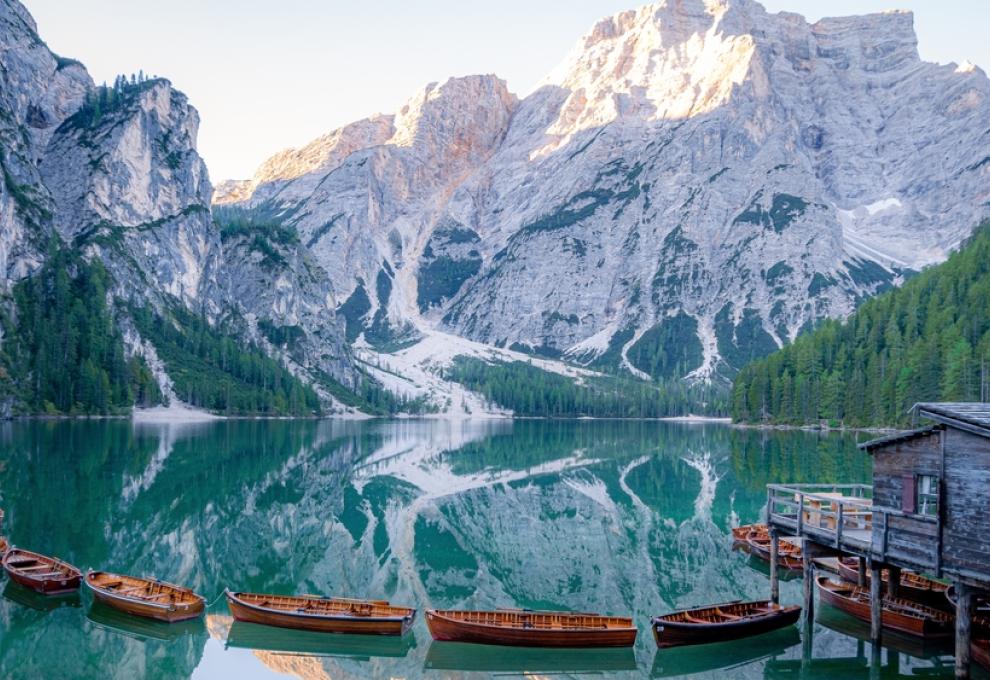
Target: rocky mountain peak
468 114
697 182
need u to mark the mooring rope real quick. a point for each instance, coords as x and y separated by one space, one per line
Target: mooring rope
214 600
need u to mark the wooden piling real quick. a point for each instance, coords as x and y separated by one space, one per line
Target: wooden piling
894 581
774 556
876 602
861 581
964 624
809 582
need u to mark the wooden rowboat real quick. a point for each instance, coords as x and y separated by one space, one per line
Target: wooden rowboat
145 597
788 555
719 623
897 614
740 534
326 615
912 587
40 573
524 628
4 546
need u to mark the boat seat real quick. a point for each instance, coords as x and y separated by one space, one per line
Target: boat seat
34 568
693 619
130 589
727 615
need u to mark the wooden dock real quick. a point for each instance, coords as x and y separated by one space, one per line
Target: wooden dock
926 511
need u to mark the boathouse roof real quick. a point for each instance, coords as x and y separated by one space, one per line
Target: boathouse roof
970 416
899 437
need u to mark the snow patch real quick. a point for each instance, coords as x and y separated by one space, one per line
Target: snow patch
596 345
862 240
642 375
709 349
416 371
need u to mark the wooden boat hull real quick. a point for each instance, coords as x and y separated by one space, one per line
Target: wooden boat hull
451 630
41 581
912 587
167 612
930 624
741 534
366 625
668 633
980 650
787 557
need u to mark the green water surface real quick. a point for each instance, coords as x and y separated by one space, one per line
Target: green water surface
626 518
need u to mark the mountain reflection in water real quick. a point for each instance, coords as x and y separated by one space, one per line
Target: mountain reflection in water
620 517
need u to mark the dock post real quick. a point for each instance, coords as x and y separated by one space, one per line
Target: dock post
876 661
774 556
876 602
861 582
964 622
894 581
809 582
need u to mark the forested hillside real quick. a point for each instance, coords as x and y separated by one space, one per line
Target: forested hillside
62 353
528 391
927 341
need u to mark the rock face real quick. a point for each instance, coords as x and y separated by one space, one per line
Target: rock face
366 199
695 184
38 90
114 172
129 186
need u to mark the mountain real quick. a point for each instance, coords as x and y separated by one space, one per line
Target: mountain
695 185
114 274
927 341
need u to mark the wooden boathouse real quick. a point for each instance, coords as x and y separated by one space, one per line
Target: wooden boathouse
927 511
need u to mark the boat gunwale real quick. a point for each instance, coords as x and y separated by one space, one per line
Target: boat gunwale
129 598
909 579
320 617
927 616
707 625
443 614
74 571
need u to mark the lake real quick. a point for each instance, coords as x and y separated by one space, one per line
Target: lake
611 516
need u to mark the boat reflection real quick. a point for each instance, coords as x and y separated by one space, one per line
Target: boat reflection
26 597
256 637
463 656
722 656
763 567
839 621
142 628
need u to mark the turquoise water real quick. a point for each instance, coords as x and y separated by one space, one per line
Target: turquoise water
616 517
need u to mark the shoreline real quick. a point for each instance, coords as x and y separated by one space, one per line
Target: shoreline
167 415
817 428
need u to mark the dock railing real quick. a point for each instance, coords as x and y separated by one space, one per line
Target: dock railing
830 514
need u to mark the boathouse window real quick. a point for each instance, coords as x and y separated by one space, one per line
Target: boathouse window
927 495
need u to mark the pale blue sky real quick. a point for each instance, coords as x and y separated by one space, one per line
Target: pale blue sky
268 75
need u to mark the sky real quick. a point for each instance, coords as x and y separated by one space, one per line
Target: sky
267 75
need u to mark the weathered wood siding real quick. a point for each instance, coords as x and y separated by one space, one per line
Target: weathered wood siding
966 532
913 539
